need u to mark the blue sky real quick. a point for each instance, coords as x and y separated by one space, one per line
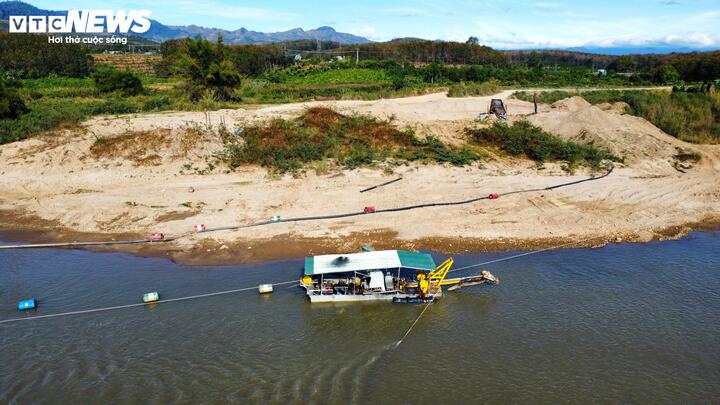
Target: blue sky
512 24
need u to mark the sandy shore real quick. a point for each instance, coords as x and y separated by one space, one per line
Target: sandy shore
56 187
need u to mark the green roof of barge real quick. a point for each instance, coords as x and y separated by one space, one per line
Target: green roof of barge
365 261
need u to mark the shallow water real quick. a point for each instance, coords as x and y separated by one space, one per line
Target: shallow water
625 323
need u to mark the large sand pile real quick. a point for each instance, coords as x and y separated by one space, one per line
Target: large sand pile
575 103
633 138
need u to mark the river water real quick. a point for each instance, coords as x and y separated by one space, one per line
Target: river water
629 323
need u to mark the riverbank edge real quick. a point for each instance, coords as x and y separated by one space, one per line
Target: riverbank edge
18 226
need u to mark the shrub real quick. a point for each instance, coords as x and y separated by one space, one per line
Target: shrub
320 134
156 103
11 104
115 106
108 79
523 138
473 89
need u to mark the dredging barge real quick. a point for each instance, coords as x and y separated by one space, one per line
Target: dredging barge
386 275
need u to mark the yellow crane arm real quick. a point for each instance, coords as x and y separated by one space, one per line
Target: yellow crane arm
437 276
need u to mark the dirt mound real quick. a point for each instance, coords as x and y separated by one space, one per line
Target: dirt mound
153 147
319 117
141 147
618 108
633 138
574 103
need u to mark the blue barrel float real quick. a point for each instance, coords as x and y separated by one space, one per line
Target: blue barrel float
26 304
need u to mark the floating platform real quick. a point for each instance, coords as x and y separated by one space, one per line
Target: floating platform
151 297
265 288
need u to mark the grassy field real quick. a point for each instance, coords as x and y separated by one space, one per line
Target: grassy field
62 102
340 76
692 117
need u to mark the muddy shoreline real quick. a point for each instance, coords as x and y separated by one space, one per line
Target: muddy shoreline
19 227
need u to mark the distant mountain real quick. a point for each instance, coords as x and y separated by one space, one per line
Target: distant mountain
8 8
656 48
161 32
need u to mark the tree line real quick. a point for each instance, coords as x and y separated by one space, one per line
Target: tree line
31 56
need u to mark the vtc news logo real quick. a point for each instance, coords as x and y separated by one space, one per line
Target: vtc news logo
84 21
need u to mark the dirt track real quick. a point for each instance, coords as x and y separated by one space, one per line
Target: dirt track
59 182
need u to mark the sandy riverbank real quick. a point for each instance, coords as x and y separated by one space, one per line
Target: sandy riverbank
58 188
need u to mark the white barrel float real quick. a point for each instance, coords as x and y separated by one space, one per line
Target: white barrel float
199 228
151 297
265 288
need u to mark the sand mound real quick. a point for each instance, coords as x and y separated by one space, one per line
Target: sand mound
154 147
571 104
617 108
630 137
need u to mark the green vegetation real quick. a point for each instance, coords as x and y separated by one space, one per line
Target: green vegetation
686 113
62 102
338 76
321 134
31 56
523 138
108 79
208 69
11 104
463 89
197 74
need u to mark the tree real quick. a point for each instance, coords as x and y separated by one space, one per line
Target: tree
207 67
667 74
34 57
473 41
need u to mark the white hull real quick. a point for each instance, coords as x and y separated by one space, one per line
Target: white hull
350 297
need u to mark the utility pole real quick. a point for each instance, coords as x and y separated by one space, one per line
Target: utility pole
357 55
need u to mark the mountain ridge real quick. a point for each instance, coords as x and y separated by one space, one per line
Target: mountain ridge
241 36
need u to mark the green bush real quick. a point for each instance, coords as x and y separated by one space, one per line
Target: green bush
320 133
115 106
108 79
156 103
523 138
463 89
11 103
